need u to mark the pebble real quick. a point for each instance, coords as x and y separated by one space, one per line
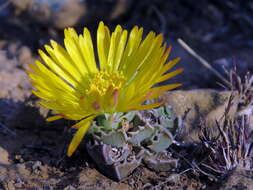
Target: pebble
4 158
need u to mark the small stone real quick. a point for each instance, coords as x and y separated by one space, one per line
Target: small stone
60 14
20 5
24 55
4 158
21 168
37 167
19 159
69 187
9 185
18 183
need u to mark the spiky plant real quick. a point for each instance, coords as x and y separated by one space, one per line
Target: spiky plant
233 147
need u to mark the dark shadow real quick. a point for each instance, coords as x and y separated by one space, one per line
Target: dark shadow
28 140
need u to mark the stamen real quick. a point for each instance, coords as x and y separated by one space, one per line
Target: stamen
96 106
115 97
103 87
81 98
150 92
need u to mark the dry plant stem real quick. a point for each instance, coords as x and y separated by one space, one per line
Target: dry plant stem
202 171
211 168
226 151
202 61
194 166
233 147
171 178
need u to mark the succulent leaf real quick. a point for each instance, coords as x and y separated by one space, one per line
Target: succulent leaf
163 140
144 135
117 139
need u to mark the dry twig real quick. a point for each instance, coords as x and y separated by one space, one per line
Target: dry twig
202 61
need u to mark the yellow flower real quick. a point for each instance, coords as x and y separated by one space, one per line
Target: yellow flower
79 83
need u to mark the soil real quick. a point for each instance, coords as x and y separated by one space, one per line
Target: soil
32 151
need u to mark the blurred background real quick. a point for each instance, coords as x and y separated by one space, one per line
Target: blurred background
219 31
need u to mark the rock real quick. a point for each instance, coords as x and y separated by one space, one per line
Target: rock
69 187
24 55
23 170
14 85
20 6
58 13
36 168
9 185
207 105
61 14
3 172
4 156
13 81
19 183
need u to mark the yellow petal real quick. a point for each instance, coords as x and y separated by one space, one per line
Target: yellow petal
58 69
61 57
170 75
74 51
103 44
147 68
49 78
53 118
120 50
148 106
142 52
133 44
170 64
113 48
83 127
157 91
86 46
46 96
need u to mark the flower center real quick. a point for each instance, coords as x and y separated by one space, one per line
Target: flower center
102 82
103 90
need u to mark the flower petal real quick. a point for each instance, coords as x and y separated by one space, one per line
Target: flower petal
170 75
53 118
148 106
83 127
103 44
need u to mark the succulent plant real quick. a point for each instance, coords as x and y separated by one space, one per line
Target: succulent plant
120 142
